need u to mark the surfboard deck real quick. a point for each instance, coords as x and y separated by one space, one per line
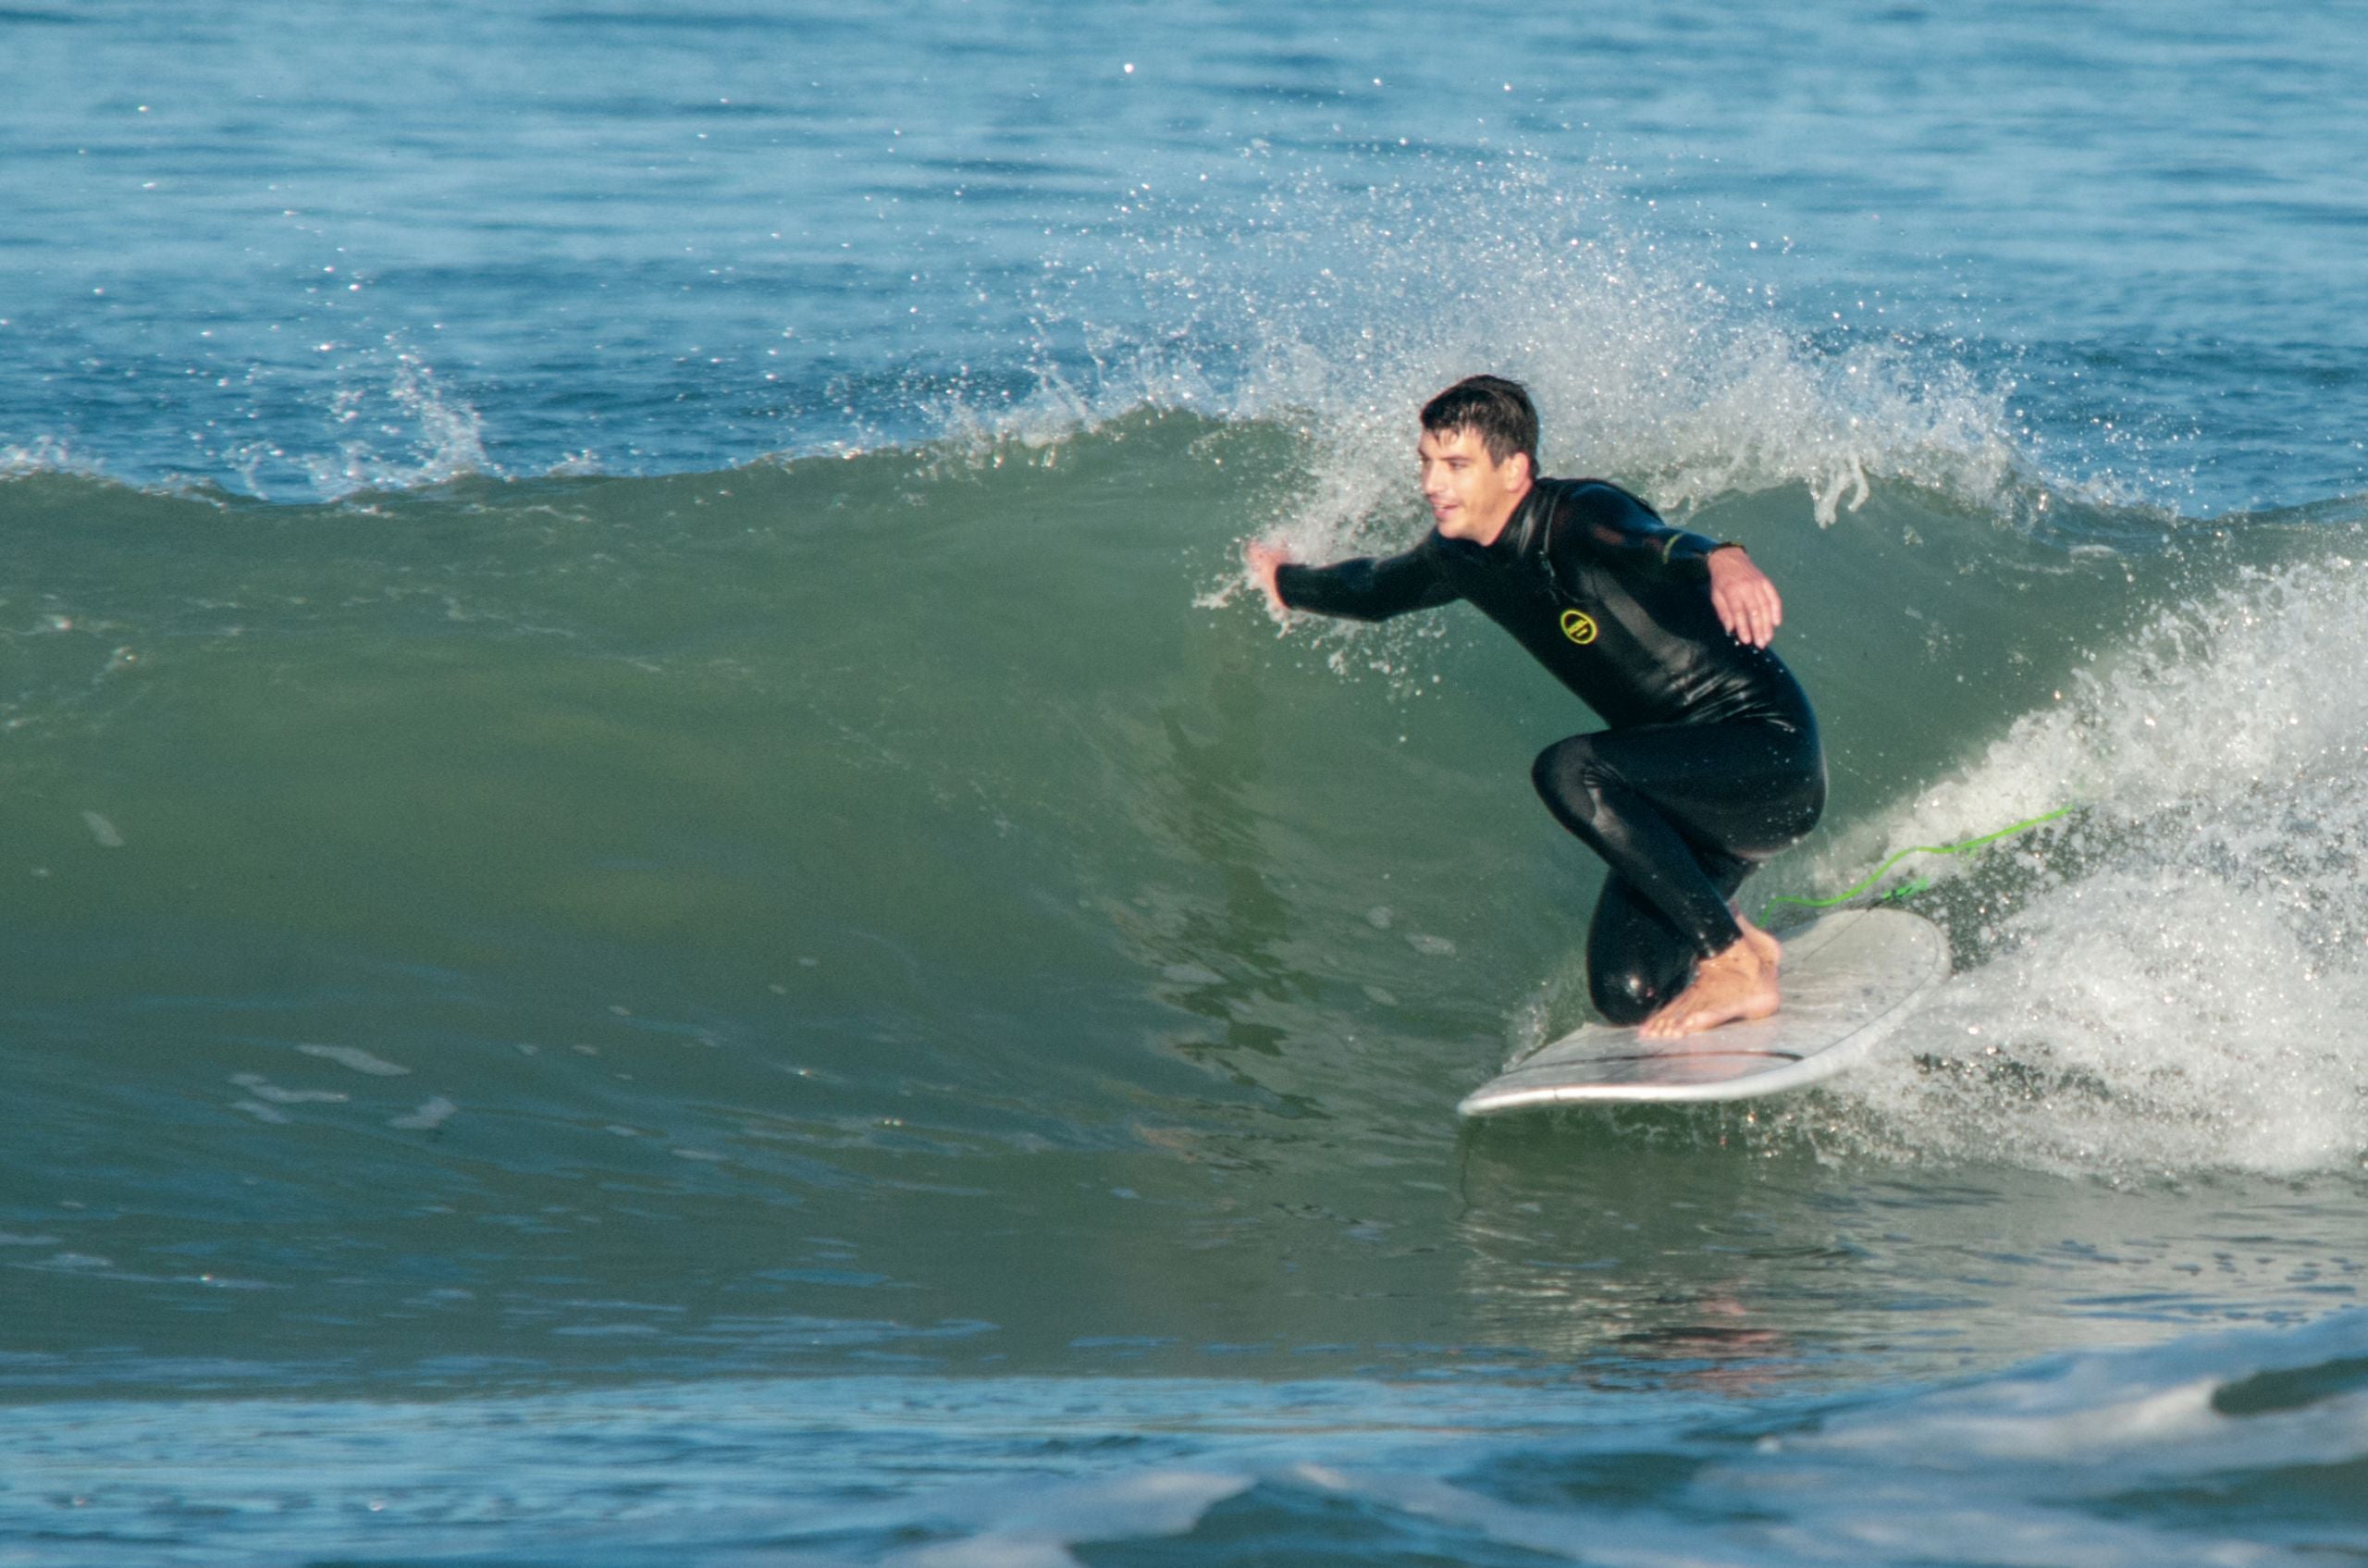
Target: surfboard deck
1849 980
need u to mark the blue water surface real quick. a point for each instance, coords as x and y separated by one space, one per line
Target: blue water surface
292 248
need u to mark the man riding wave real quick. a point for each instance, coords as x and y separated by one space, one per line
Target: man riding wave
1711 762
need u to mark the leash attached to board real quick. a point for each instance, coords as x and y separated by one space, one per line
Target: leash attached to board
1918 884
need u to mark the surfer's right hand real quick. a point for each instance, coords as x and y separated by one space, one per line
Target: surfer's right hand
1744 597
1263 558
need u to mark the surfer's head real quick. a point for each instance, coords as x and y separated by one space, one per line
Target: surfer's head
1492 408
1479 456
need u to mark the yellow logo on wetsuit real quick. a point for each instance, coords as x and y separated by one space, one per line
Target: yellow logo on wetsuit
1579 626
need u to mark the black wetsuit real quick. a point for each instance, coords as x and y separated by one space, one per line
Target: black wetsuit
1712 761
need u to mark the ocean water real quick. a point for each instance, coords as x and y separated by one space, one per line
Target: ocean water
665 903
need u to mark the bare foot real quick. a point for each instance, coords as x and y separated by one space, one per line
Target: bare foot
1737 985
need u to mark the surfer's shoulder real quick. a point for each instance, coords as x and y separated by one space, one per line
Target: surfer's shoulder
1595 499
1589 515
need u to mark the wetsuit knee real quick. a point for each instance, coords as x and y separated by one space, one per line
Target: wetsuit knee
1636 959
1625 996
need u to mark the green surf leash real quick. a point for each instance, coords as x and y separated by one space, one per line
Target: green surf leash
1910 889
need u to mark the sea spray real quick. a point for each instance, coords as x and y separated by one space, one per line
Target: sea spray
1366 282
2174 977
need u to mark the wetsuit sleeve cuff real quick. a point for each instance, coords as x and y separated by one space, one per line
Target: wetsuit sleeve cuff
1687 555
1292 582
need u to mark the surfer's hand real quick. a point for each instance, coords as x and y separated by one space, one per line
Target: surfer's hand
1261 559
1745 599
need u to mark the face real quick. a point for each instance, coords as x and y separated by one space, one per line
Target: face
1471 494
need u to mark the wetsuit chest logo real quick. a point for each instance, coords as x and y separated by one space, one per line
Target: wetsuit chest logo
1579 626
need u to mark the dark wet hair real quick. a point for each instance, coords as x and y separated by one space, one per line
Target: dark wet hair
1497 410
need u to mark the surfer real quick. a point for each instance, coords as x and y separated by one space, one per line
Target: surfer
1711 762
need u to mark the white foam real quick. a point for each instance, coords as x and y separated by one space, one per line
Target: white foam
412 432
45 454
1642 370
2181 982
431 1115
264 1089
1365 284
385 423
1033 1528
357 1058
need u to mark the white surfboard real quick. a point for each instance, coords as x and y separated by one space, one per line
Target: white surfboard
1849 980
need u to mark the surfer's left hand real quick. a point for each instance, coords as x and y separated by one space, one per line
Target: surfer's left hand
1745 599
1261 559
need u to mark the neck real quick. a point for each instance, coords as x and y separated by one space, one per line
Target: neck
1495 530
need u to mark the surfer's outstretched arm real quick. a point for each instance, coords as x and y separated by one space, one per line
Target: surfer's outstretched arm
1365 589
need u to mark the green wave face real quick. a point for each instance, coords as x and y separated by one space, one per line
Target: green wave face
847 892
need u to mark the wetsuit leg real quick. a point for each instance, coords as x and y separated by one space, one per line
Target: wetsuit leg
1680 813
